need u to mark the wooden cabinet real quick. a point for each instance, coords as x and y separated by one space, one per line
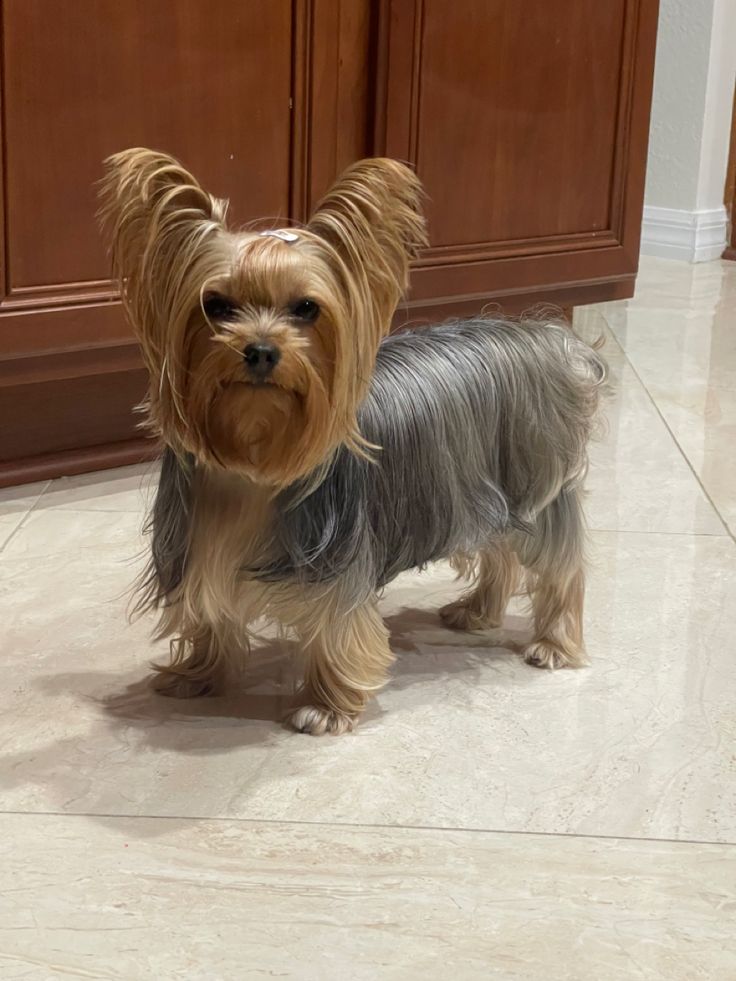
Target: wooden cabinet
527 123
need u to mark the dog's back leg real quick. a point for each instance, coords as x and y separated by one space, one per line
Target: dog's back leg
554 558
496 575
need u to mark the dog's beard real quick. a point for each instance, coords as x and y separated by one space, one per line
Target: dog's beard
257 430
273 431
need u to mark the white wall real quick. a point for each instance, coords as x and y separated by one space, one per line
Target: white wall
718 106
684 216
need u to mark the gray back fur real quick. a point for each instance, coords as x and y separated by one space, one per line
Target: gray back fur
481 425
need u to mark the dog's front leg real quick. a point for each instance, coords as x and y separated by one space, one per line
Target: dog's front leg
199 665
347 660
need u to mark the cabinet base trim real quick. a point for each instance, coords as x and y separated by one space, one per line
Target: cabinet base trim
65 463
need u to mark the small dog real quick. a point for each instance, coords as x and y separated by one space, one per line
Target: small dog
310 458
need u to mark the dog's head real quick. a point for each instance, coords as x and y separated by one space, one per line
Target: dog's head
259 347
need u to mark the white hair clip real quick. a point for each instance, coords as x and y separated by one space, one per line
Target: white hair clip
283 234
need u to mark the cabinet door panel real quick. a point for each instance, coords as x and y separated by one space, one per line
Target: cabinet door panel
206 81
533 170
528 124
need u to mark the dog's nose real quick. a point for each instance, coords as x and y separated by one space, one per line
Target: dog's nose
261 358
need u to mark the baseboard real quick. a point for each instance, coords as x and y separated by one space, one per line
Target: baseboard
65 463
693 236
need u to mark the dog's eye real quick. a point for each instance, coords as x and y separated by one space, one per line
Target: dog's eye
306 310
218 307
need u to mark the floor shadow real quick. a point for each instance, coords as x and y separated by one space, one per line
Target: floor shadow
249 716
262 698
252 711
414 628
263 694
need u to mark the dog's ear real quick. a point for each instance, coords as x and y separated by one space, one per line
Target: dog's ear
155 214
372 219
165 234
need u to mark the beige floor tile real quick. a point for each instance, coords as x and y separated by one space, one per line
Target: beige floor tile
141 898
679 333
15 503
638 478
466 735
55 531
123 489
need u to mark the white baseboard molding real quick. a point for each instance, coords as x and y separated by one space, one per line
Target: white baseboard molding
694 236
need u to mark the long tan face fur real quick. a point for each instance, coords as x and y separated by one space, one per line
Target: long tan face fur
259 350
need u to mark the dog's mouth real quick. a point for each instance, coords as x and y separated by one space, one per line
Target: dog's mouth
243 380
271 384
268 388
257 383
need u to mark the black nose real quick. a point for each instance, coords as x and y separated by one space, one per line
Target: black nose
261 358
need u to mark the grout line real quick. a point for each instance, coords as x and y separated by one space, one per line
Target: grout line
24 519
668 534
66 508
358 826
684 455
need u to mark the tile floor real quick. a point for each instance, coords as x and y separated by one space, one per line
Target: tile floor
486 820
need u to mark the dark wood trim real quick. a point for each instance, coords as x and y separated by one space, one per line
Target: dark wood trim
331 95
730 195
58 295
301 95
27 332
638 110
619 174
514 301
69 462
379 61
505 275
416 75
4 273
68 399
551 244
100 359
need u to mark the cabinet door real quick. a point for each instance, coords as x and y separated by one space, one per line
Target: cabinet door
528 124
208 82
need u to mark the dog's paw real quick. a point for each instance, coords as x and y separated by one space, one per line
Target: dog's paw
547 655
459 616
174 685
317 720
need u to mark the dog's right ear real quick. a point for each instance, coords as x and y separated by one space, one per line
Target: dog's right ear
165 236
153 211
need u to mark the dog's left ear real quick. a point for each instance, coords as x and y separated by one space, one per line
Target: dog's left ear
372 219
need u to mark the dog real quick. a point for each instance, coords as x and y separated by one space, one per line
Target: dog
310 457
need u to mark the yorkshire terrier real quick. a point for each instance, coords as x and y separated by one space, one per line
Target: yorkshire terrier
310 458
